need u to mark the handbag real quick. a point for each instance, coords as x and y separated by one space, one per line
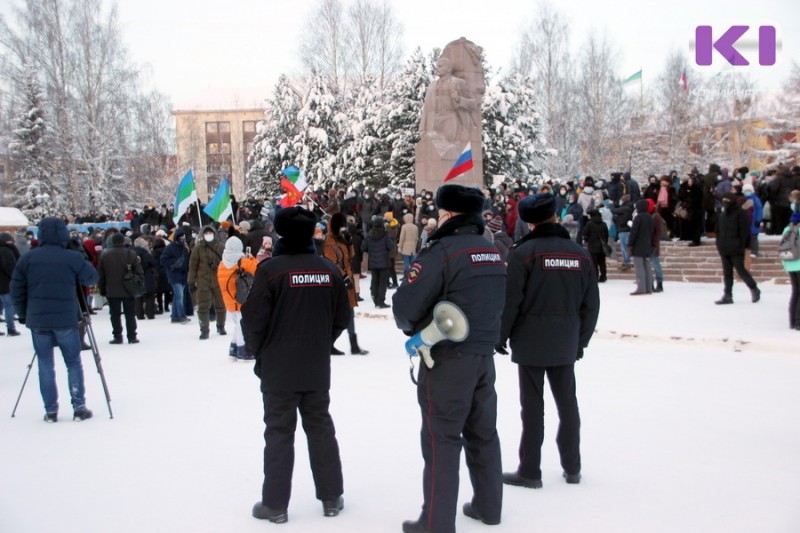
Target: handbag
681 212
133 282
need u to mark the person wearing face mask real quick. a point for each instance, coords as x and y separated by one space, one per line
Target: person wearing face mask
202 279
175 260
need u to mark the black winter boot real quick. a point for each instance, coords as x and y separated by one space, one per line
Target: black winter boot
659 286
354 348
336 351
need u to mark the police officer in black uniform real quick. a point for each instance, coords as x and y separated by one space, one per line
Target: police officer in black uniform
293 361
457 396
552 303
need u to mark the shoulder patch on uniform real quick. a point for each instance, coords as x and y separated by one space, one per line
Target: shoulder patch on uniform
555 262
309 279
414 272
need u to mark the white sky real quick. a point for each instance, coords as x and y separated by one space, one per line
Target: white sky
199 50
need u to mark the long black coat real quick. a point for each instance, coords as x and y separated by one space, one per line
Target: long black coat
552 300
379 246
8 260
642 230
112 266
295 310
595 234
149 267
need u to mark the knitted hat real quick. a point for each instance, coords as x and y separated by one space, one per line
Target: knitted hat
295 225
495 225
459 199
244 225
537 208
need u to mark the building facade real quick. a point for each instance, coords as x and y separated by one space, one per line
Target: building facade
216 145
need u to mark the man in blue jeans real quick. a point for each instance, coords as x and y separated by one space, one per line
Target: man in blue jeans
175 261
43 289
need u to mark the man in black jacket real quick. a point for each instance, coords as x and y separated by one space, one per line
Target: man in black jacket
293 361
552 304
640 243
733 238
112 267
457 396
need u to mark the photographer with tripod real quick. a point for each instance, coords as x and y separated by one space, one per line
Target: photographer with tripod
43 291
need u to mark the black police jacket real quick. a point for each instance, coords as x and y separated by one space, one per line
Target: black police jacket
296 308
552 300
458 265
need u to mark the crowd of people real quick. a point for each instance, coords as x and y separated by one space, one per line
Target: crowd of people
537 252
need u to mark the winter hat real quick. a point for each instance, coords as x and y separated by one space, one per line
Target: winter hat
537 208
495 225
6 237
117 240
337 222
795 217
233 252
295 225
459 199
244 225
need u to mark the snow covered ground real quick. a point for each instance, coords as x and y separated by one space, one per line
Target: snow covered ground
690 415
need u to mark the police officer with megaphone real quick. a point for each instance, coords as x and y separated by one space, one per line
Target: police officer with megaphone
456 394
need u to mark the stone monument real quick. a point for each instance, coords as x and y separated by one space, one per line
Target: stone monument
451 118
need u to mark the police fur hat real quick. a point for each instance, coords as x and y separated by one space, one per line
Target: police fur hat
295 225
537 208
459 199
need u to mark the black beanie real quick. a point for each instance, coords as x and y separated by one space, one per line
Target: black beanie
118 239
459 199
537 208
295 225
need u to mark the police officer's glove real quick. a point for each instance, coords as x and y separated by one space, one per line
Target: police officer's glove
501 348
580 354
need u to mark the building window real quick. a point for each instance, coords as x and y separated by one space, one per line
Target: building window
211 127
249 126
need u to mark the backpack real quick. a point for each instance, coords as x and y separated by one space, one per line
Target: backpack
789 247
243 283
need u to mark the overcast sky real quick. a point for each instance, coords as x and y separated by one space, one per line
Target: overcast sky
196 52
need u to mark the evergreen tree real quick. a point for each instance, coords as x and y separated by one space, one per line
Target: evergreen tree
34 191
274 147
317 142
404 105
512 144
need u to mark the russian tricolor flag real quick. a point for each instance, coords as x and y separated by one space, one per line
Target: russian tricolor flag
463 164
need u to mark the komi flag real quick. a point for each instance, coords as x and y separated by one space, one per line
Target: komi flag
187 194
462 165
633 77
294 183
220 207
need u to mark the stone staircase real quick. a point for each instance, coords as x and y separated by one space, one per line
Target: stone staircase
701 264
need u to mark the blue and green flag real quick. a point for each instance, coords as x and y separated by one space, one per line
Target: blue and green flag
220 208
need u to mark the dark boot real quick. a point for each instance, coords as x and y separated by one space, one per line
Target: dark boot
754 292
336 351
354 348
659 286
724 300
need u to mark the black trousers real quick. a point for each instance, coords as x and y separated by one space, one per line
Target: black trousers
118 306
379 284
146 305
729 263
568 438
599 261
794 300
459 408
280 417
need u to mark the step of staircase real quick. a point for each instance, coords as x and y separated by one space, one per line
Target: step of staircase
701 264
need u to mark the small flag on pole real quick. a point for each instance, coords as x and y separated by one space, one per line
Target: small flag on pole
462 165
220 207
294 183
633 77
683 82
187 194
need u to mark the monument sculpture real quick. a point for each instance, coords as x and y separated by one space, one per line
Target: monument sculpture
451 117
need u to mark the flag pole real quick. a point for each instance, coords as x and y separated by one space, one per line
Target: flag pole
197 203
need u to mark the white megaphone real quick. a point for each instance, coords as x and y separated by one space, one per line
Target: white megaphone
449 323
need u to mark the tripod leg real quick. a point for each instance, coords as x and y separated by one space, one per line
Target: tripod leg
95 350
28 373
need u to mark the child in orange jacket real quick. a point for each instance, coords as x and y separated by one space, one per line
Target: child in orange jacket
234 258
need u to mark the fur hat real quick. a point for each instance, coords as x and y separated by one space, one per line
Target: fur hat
459 199
295 225
537 208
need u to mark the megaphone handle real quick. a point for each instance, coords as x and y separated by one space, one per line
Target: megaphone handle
426 356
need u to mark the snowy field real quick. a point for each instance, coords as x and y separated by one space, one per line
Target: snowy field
691 423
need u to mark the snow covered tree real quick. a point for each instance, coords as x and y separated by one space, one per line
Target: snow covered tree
274 147
511 131
405 97
316 144
31 154
782 127
365 150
